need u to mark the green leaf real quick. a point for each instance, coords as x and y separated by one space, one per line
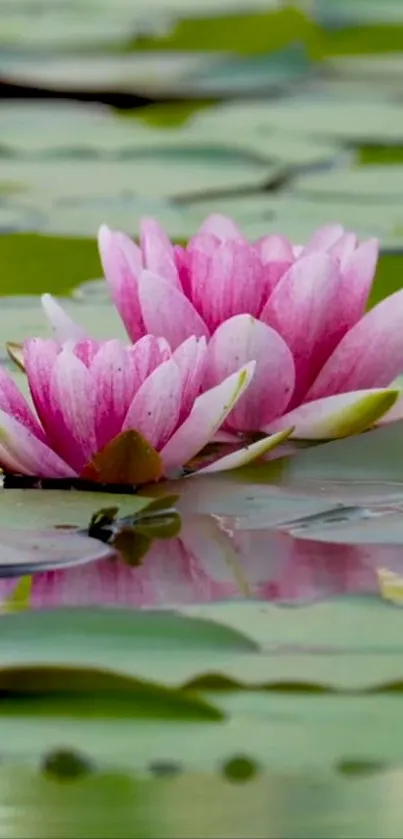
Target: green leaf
160 527
71 692
132 545
128 459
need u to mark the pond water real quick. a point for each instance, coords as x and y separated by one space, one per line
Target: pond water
224 658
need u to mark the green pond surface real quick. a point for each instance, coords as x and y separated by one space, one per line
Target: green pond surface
221 656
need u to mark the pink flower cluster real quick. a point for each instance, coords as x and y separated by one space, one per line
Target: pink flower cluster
233 341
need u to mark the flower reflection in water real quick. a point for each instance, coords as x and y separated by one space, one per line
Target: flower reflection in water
210 563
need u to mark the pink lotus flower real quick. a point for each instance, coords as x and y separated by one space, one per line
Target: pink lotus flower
114 413
322 365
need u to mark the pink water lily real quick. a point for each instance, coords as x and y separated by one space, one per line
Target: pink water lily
115 413
322 364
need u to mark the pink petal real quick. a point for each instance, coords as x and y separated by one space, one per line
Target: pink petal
73 406
274 248
277 256
273 272
343 248
167 312
13 402
21 448
63 326
207 416
200 250
114 383
158 252
336 416
222 227
370 355
145 356
121 262
304 309
131 252
324 238
232 284
237 341
182 259
39 359
190 358
155 408
358 271
86 350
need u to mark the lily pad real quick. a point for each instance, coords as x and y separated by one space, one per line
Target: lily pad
78 182
349 121
147 74
158 75
250 125
23 509
31 551
377 183
66 128
347 12
231 641
383 69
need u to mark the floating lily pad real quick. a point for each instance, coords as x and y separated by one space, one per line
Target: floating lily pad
350 121
385 69
251 126
239 642
139 73
62 184
29 551
159 74
347 12
369 183
80 25
23 509
65 128
26 318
